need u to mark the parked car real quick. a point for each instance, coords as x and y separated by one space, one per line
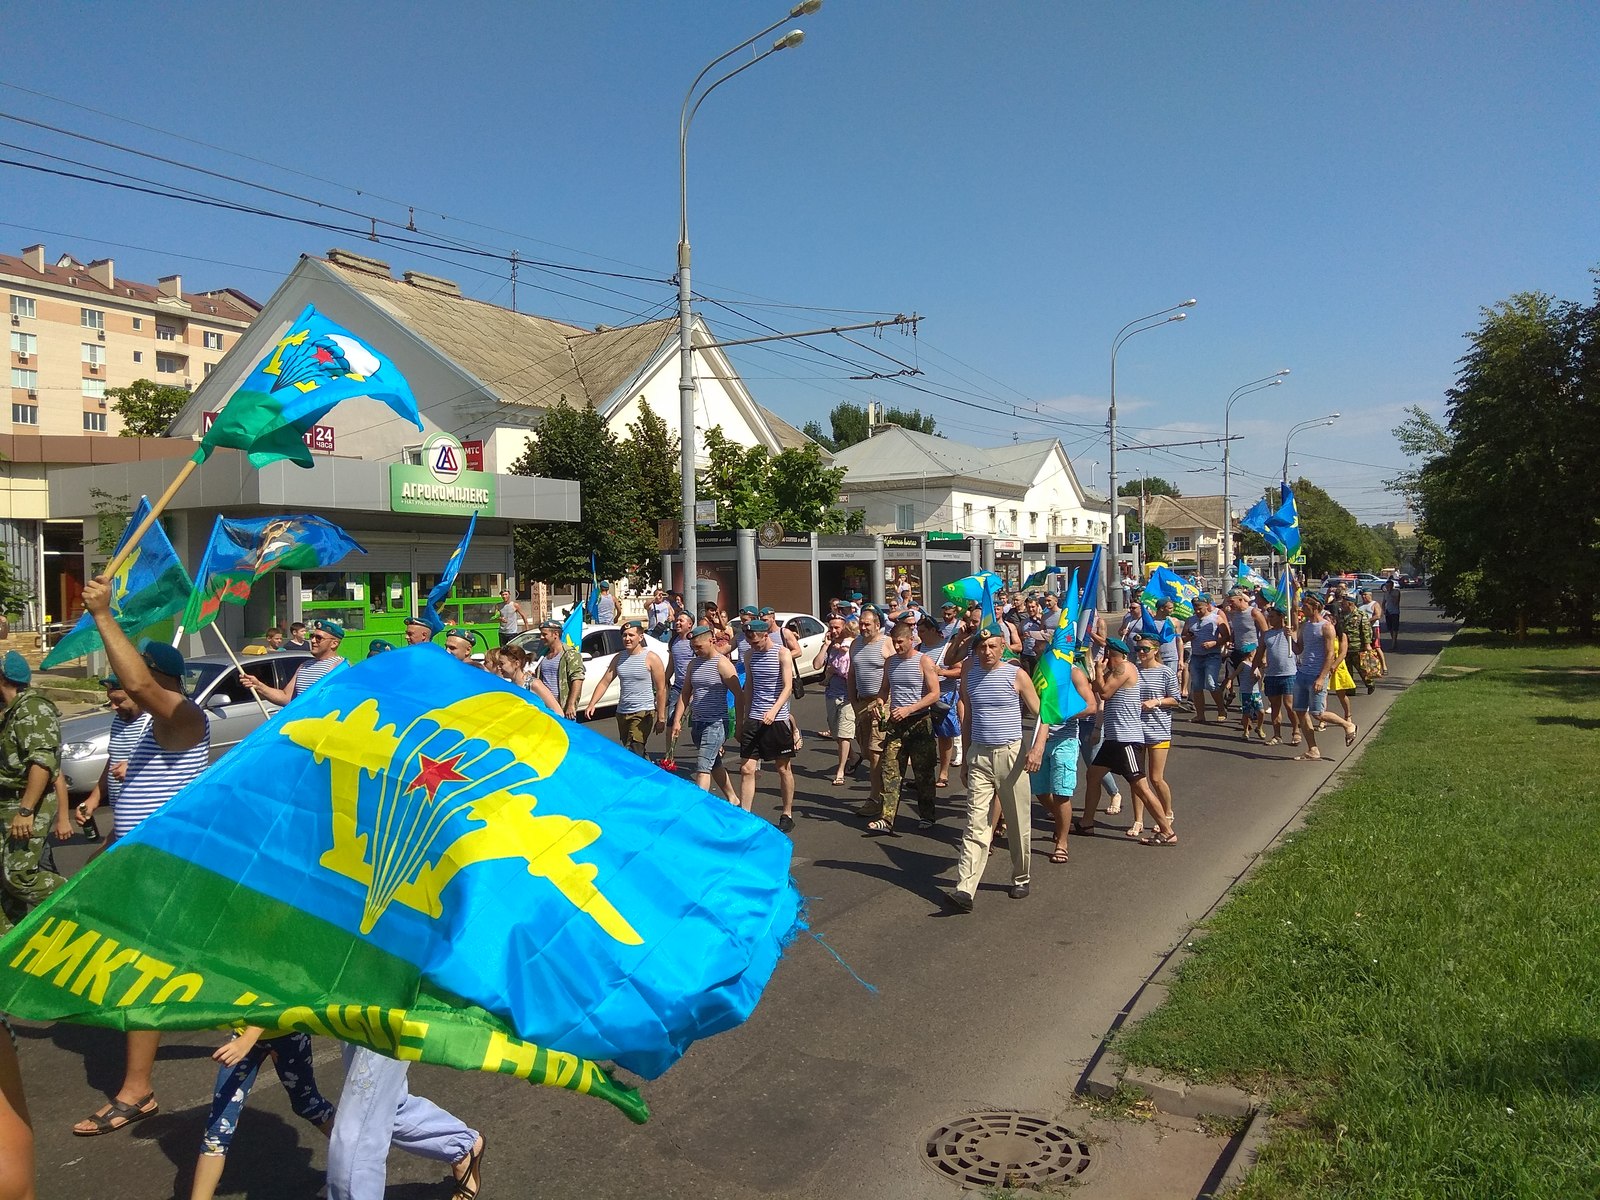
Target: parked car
213 682
812 633
1366 581
599 646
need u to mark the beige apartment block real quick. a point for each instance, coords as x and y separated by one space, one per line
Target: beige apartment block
76 330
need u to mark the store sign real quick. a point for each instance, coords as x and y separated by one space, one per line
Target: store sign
443 484
318 437
935 535
902 541
474 455
1074 548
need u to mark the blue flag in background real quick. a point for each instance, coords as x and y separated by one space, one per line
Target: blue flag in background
572 628
1256 519
982 587
451 848
1166 584
1087 602
1285 591
447 580
591 606
1284 526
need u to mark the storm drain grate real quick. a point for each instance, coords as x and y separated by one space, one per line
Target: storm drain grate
1006 1149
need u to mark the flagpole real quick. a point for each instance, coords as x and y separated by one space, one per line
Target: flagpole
265 712
156 509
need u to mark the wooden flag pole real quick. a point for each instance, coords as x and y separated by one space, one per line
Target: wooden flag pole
155 511
259 701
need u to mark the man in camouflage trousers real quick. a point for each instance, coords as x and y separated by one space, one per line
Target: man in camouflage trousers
30 756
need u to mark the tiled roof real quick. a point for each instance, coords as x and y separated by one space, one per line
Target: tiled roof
895 454
229 304
1187 512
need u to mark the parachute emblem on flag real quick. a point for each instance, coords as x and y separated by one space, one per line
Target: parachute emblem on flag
306 363
412 809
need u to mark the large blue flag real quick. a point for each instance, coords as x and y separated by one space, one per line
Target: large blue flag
313 367
1166 584
982 587
1088 602
1284 526
241 551
447 580
1258 516
149 587
434 867
1059 700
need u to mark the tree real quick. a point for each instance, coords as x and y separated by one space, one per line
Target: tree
1152 485
1509 486
794 488
146 407
849 424
649 459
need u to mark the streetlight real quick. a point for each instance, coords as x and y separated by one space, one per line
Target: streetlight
686 438
1167 316
1255 385
1300 428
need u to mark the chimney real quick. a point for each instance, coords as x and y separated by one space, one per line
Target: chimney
104 271
34 257
171 286
351 261
432 283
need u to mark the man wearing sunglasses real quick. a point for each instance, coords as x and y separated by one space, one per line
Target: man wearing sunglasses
325 637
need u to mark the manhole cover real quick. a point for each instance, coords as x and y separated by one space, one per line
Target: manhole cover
1006 1149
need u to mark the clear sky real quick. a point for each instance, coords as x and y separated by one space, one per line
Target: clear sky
1342 187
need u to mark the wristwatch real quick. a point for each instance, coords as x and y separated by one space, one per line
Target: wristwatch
25 812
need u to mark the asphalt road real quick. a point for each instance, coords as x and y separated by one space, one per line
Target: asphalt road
830 1089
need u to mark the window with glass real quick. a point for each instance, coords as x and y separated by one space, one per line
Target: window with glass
91 318
339 594
23 306
25 414
94 389
1180 543
138 324
166 333
94 422
905 517
138 356
24 377
171 364
94 354
24 343
210 367
475 599
213 341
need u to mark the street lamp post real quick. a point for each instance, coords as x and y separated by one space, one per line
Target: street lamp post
1301 428
686 434
1166 316
1255 385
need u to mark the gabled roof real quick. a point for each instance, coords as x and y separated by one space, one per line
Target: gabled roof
895 454
1019 462
1187 512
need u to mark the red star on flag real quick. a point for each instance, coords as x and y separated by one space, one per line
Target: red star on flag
434 772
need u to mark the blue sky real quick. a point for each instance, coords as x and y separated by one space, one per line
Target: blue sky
1341 187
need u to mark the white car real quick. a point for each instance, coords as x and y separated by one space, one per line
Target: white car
812 633
600 646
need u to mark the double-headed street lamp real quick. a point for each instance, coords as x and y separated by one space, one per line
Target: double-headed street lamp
1244 389
1301 428
1165 317
691 105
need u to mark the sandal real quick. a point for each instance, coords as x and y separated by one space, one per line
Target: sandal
838 781
1082 830
879 828
1350 738
1310 756
1159 839
117 1115
1133 831
1059 854
468 1182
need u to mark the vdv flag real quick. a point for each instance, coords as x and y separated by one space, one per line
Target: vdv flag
1250 578
1087 601
1166 584
1152 626
149 587
240 552
1285 591
1038 577
1284 526
982 587
436 868
572 628
447 580
314 366
1256 519
591 606
1059 701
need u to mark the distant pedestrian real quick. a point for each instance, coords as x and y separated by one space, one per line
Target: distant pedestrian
833 657
1390 598
868 653
703 701
1116 683
1318 645
766 731
908 693
1057 777
606 605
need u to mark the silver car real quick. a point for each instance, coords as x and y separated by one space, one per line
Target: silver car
213 681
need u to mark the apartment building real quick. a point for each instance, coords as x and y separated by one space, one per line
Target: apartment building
77 330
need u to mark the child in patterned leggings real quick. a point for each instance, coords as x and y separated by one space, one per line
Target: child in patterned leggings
241 1057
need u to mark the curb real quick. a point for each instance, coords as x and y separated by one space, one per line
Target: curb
1107 1072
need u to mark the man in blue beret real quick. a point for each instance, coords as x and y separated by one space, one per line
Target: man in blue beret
324 638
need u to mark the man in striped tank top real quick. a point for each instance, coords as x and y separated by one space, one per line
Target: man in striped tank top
172 750
993 764
766 734
642 695
909 691
127 724
680 653
325 638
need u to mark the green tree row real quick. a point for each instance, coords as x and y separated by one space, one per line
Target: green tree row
848 424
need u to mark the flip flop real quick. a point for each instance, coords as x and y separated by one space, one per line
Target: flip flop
118 1115
880 828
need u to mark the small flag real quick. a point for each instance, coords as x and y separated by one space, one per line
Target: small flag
1059 700
1284 526
240 552
149 587
591 606
1038 577
982 587
1256 519
1152 626
447 580
435 868
1284 601
572 628
313 367
1166 584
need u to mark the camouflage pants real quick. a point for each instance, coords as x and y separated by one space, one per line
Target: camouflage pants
25 881
913 743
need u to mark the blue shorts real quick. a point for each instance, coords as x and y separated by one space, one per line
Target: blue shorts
1277 685
1058 773
1307 701
708 737
1205 674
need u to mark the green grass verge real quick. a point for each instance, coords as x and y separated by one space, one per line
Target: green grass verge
1415 976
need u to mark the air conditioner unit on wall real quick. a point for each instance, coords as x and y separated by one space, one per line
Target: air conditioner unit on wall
32 395
101 335
16 320
22 358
